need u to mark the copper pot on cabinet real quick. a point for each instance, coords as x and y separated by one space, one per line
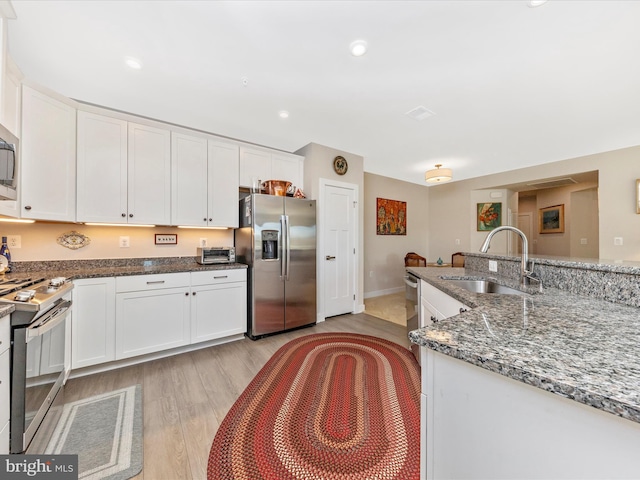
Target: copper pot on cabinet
276 187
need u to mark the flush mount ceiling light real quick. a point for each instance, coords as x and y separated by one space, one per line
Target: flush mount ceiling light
536 3
133 63
283 114
358 48
438 175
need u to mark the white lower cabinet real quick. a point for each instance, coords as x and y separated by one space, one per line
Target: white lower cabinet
218 304
93 332
152 313
123 317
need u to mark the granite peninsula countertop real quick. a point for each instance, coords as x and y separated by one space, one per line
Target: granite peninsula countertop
578 347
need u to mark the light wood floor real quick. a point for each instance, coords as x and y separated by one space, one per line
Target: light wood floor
185 397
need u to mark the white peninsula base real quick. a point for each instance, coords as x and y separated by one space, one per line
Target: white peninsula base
481 425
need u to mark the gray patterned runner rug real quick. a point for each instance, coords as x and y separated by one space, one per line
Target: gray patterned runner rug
106 433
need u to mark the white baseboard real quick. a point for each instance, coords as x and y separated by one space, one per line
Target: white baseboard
388 291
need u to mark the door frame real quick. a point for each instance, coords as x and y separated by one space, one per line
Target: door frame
358 304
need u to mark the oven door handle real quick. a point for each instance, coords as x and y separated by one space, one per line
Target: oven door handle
50 320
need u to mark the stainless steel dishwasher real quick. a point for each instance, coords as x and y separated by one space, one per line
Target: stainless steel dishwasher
412 303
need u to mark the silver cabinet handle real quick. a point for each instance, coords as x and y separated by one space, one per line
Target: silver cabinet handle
329 257
221 276
155 282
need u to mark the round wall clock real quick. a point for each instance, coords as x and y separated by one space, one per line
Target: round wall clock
340 165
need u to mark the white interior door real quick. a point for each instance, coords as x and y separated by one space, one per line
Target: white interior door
339 259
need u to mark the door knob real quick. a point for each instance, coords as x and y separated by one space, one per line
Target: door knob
329 257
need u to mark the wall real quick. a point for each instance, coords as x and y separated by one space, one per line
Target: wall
318 165
39 241
581 220
449 213
384 254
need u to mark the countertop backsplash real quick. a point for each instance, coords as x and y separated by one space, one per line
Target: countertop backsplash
618 283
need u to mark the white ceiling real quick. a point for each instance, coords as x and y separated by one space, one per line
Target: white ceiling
511 86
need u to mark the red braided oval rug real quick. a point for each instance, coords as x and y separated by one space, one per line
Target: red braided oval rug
325 406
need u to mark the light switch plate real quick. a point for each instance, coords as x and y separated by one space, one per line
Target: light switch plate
493 266
166 239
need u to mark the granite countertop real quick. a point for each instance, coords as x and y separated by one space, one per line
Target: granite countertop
580 348
78 269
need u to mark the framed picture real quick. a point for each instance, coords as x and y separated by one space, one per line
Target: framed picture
391 217
638 196
552 219
489 216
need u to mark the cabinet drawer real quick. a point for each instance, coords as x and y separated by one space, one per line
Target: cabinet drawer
218 276
5 333
138 283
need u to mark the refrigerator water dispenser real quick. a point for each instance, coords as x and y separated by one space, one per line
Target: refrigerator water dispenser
269 244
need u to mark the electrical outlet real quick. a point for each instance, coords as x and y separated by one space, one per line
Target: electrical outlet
493 266
124 242
457 241
370 273
203 242
14 241
583 241
166 239
617 241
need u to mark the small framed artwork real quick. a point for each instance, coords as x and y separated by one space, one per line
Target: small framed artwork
638 196
391 217
552 219
489 216
166 239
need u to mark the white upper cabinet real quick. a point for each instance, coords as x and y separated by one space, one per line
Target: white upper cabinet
224 160
124 171
149 180
264 164
102 168
188 180
48 158
204 182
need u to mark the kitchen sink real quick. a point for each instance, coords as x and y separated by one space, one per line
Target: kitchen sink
485 286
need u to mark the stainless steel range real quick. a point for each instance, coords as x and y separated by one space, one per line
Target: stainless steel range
40 361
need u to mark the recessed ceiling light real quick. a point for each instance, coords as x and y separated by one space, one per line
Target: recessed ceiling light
536 3
283 114
358 48
133 63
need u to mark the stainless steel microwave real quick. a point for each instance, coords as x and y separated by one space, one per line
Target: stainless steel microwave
211 255
8 165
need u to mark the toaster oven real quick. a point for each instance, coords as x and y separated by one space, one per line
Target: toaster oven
212 255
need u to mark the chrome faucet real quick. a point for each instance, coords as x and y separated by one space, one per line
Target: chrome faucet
525 274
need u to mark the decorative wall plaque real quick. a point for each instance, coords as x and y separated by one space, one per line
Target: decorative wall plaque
73 240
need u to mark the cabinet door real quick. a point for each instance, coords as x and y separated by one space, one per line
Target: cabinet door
151 321
93 322
254 164
287 167
218 311
224 165
149 175
48 145
102 169
189 180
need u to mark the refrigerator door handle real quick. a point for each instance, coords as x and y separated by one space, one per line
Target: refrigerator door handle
287 246
283 247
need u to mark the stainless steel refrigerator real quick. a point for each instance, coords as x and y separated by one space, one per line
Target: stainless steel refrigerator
277 239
